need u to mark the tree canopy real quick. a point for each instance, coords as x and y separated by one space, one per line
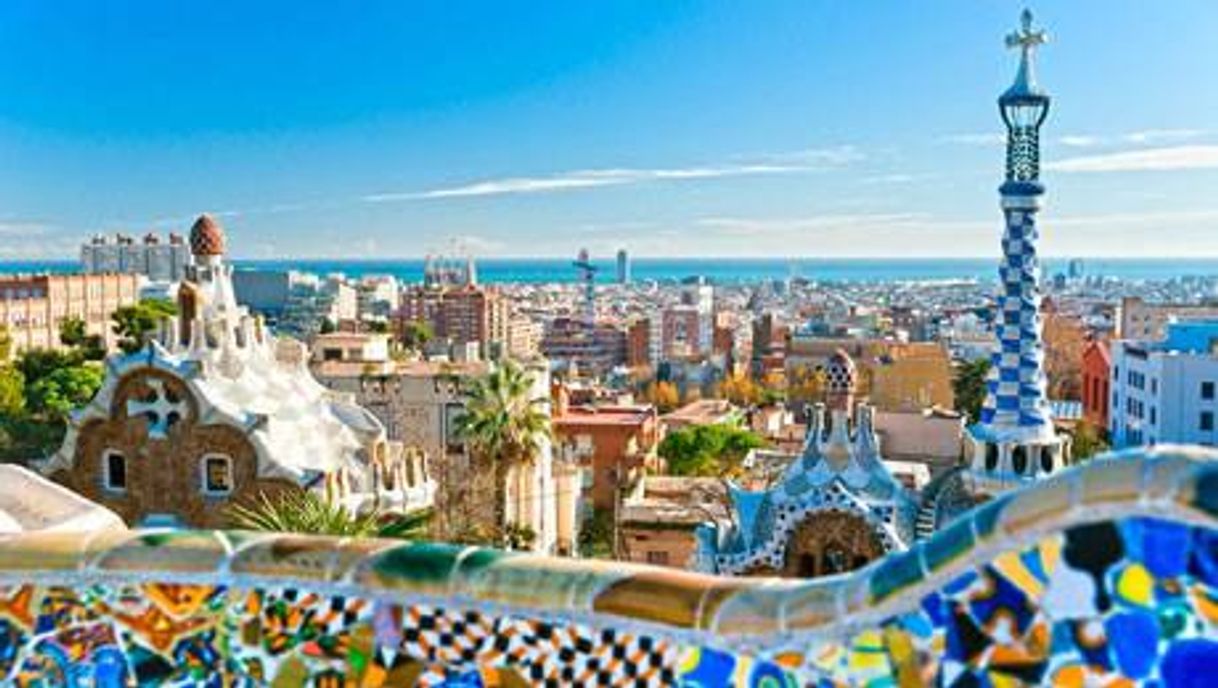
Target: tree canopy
969 387
504 425
134 324
63 389
708 450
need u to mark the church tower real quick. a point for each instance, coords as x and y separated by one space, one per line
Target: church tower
1014 440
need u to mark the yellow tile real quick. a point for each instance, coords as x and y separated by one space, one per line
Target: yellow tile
811 605
42 551
289 556
1114 480
1048 499
182 551
755 610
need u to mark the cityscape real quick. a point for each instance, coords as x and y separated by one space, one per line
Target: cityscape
860 444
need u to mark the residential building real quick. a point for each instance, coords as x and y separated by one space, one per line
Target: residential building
703 412
1142 320
1096 369
1166 391
457 313
569 342
661 515
613 445
33 307
157 259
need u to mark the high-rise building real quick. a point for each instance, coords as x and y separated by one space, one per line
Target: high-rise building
457 308
623 267
587 275
1014 441
159 261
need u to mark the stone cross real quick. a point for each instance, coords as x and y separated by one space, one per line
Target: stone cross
158 410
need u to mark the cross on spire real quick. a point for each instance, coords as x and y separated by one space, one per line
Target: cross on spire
1025 38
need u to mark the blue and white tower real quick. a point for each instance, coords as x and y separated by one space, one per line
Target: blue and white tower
1014 440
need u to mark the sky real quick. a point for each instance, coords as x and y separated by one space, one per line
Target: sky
720 129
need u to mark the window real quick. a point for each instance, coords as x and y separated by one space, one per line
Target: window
659 558
1207 420
114 467
1046 460
1154 416
1207 390
217 474
1019 459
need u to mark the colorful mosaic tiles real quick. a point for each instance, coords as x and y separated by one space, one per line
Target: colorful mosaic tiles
1106 575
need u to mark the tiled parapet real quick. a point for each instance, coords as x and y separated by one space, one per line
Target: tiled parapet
1104 573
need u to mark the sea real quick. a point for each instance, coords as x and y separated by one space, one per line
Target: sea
717 270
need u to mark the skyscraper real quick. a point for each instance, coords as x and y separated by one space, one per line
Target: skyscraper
623 267
1014 440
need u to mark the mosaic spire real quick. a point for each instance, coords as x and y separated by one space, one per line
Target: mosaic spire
1016 406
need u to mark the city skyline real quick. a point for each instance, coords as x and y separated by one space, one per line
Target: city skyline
668 130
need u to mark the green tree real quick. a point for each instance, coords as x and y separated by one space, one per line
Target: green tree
74 335
6 344
56 394
1088 441
416 334
72 331
708 450
36 364
969 387
300 511
135 324
12 392
596 535
504 425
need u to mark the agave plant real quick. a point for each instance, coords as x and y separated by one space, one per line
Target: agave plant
310 513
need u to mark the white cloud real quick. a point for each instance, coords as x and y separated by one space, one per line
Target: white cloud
1080 140
21 228
984 139
1163 135
1149 159
1151 220
789 163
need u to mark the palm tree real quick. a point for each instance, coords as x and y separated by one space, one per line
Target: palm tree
310 513
505 427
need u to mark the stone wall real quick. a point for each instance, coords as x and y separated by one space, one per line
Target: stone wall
164 475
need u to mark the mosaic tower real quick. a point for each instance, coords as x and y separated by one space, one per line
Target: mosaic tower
1014 440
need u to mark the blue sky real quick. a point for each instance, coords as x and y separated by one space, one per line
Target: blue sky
800 128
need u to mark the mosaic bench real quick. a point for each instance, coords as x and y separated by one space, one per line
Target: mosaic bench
1102 575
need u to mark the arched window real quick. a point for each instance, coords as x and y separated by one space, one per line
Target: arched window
1019 460
217 475
991 456
1047 461
114 470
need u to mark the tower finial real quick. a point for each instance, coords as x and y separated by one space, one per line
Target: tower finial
1026 39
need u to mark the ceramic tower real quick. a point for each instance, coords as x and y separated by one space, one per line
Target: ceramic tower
1014 439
